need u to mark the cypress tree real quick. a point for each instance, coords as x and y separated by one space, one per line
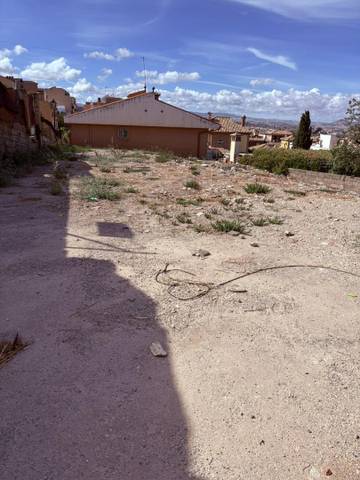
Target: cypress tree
304 131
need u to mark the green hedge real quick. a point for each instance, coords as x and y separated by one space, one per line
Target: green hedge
344 160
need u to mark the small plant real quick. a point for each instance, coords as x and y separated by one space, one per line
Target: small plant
56 188
194 170
192 184
105 169
297 193
131 190
275 220
184 218
163 157
239 201
208 216
9 348
229 226
186 202
269 200
257 188
225 201
94 189
259 222
214 211
199 228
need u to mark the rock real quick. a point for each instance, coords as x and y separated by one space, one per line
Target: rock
314 474
328 472
234 234
157 350
201 253
289 234
254 244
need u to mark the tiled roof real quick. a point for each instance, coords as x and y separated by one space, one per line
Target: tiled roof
228 125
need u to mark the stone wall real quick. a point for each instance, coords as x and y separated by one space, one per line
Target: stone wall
14 138
327 180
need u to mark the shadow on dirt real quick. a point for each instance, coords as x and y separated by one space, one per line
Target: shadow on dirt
86 399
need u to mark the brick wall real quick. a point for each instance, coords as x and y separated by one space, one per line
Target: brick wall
14 138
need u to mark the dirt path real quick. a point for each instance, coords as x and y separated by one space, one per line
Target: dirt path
262 380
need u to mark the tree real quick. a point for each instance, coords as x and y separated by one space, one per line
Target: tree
353 120
304 131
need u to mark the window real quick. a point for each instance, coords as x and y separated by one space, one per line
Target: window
123 133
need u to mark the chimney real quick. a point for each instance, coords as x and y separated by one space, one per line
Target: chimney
243 121
99 100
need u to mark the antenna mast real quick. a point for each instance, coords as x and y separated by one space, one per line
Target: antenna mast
145 74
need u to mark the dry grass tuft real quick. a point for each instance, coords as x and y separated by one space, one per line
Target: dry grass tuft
8 349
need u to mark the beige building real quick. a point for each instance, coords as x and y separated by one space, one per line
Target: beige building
141 121
221 138
64 102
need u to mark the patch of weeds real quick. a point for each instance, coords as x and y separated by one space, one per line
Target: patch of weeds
143 170
328 190
275 220
259 222
8 349
163 157
239 201
105 169
186 202
131 190
184 218
199 228
94 189
59 171
226 226
269 200
225 201
258 188
192 184
214 211
208 216
297 193
56 188
194 170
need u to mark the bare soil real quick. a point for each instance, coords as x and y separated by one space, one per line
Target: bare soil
262 376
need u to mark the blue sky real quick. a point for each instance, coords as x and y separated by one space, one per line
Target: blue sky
265 58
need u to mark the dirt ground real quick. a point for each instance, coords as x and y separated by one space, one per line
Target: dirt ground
262 377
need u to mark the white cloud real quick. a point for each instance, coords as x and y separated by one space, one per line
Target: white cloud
258 82
6 54
307 9
277 59
104 74
273 103
169 77
82 86
53 71
19 50
119 54
6 67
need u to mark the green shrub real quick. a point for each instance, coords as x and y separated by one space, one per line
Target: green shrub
257 188
229 226
192 184
56 188
346 160
279 161
94 189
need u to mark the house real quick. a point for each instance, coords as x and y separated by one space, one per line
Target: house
326 142
141 121
64 102
275 136
287 142
221 137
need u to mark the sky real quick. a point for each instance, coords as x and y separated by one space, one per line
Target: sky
261 58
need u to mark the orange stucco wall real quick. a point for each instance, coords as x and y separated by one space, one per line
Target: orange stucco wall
183 141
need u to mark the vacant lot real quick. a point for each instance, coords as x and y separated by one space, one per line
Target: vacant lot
262 377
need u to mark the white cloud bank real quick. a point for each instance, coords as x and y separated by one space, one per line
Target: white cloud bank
308 9
159 78
53 71
119 54
277 59
6 66
270 103
259 82
104 74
